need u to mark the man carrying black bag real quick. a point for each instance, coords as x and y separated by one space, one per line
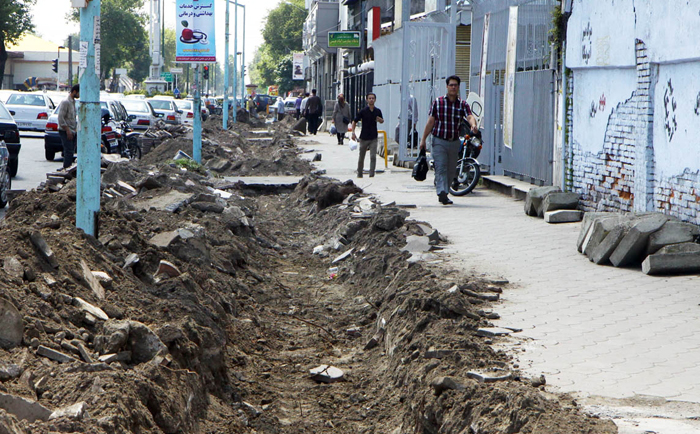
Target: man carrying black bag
420 168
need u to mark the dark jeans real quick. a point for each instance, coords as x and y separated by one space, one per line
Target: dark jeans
313 123
69 147
341 137
298 114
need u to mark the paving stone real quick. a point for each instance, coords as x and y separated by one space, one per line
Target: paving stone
534 198
41 245
441 384
633 246
91 280
343 256
558 200
23 408
11 326
563 216
492 332
672 233
326 374
674 259
601 254
483 377
76 411
52 354
89 308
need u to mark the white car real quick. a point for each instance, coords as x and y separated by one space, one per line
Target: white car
166 106
31 110
143 115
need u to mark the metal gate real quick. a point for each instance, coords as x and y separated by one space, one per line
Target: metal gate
521 31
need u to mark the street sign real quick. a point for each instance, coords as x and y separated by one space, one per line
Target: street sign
176 70
167 76
344 39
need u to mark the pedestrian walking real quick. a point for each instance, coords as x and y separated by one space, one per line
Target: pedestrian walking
280 108
304 112
68 126
369 116
314 107
341 117
297 106
412 119
444 118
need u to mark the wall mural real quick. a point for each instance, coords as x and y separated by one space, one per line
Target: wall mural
670 122
587 43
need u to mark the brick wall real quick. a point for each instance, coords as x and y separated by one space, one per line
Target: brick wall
679 196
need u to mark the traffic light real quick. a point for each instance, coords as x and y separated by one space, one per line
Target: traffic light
55 65
206 72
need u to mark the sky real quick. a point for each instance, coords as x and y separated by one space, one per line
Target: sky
51 24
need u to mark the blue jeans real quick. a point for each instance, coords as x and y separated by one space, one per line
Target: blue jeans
445 155
69 147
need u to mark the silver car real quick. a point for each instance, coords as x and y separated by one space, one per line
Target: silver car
142 113
171 114
31 110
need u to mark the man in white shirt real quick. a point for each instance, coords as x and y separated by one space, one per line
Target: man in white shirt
68 126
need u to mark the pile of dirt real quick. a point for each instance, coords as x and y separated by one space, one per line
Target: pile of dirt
202 310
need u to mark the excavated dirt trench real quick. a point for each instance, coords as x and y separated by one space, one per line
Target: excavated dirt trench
223 339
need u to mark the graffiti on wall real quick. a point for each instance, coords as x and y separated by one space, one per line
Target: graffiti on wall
697 104
597 106
670 122
603 51
601 103
586 43
594 109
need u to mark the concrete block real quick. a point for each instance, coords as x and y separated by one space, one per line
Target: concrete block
24 409
599 230
563 216
492 332
54 355
556 201
11 326
672 232
674 259
588 219
601 254
633 246
534 198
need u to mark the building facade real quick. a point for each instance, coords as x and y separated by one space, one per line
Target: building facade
33 57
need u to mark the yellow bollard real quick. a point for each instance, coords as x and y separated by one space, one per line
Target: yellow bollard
386 150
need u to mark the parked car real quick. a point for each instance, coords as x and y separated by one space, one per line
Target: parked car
261 102
31 109
187 107
166 106
289 105
142 112
5 178
9 133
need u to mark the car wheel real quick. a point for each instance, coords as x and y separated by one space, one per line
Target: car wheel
50 155
12 167
5 187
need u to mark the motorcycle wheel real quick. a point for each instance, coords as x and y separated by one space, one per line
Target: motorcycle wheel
133 150
5 187
468 175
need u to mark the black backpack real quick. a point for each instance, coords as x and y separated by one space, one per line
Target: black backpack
420 168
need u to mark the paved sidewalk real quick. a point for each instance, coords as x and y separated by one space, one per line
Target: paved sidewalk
592 330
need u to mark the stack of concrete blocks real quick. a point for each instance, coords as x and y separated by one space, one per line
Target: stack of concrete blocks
660 243
553 205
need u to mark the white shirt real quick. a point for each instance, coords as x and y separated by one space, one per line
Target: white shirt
303 104
412 109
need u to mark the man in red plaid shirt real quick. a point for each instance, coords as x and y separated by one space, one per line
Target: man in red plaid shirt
443 123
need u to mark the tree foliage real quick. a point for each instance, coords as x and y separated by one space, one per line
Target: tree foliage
15 20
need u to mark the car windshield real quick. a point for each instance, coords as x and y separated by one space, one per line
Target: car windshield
135 106
160 104
33 100
184 105
4 114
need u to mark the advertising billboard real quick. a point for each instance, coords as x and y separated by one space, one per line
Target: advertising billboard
344 39
298 66
194 34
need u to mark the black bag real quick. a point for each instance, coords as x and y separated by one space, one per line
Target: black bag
420 168
346 120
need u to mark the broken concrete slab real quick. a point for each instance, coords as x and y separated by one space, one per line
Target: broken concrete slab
601 254
23 408
76 411
563 216
326 374
558 200
441 384
91 281
484 377
416 244
674 259
672 232
125 188
492 332
41 245
534 198
219 164
345 255
588 219
599 230
89 308
84 353
208 207
170 201
52 354
11 325
13 267
633 246
163 240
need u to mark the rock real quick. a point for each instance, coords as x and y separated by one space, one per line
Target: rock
11 326
534 198
601 254
163 240
131 260
389 222
102 277
219 164
114 337
416 244
674 259
168 268
13 267
432 353
563 216
92 310
9 424
354 332
482 377
440 384
345 255
84 353
317 157
54 355
539 381
326 374
125 188
75 411
143 343
41 245
9 371
672 233
24 409
633 246
91 281
108 358
208 207
557 201
300 125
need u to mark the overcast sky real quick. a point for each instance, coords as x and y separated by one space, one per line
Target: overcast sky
50 22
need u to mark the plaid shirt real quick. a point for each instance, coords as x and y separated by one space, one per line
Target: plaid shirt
448 116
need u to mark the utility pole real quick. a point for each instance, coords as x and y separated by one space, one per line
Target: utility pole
235 50
226 62
243 59
70 61
197 130
87 204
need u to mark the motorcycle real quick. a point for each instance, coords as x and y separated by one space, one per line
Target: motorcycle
468 168
128 140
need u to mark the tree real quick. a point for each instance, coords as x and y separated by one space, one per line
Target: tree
15 20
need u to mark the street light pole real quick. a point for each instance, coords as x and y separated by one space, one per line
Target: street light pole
235 49
225 122
243 61
58 74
